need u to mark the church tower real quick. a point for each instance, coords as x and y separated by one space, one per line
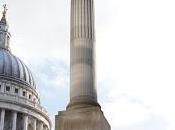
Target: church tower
83 111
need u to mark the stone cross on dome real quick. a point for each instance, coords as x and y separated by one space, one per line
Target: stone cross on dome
5 9
3 19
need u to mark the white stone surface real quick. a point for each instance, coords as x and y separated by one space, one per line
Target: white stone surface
14 118
2 119
82 68
25 122
34 124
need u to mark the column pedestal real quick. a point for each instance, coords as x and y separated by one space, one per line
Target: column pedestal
91 118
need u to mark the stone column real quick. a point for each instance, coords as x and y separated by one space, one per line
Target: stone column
2 119
2 87
40 126
25 122
14 118
20 92
82 54
83 111
45 128
34 124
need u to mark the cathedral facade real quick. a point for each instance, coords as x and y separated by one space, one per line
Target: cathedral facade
20 107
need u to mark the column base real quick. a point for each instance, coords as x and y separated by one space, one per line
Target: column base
82 102
89 118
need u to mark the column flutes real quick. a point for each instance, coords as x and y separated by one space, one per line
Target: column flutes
2 119
14 118
41 126
34 124
82 54
25 122
82 19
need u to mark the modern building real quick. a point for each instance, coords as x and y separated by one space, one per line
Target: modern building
83 111
19 102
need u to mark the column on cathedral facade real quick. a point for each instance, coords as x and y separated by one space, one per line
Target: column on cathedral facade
40 126
14 118
25 122
34 124
2 119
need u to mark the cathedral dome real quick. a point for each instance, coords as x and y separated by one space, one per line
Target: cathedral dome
13 69
20 107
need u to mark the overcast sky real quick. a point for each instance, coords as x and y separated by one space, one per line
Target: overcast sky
135 45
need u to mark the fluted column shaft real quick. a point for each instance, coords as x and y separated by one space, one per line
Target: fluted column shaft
82 19
2 87
41 126
14 118
34 124
2 119
25 122
82 68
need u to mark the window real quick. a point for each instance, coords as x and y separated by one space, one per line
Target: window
24 93
16 90
7 88
30 96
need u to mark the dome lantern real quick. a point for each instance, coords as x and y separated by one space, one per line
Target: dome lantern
3 19
4 34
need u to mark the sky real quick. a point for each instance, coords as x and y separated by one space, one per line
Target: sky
135 57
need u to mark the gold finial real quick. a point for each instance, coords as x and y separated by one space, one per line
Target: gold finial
5 9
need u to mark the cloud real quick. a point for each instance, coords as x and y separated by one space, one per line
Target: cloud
51 76
153 123
51 72
125 112
135 55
